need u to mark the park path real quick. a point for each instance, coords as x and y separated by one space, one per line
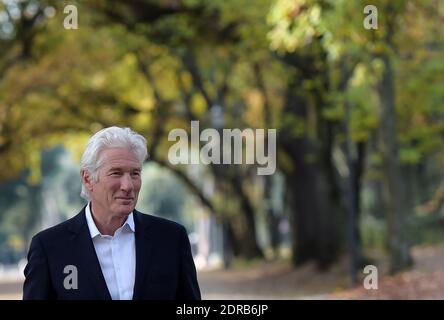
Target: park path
279 281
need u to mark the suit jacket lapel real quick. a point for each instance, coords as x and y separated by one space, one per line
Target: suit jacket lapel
144 250
85 253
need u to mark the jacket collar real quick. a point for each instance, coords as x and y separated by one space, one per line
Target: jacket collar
144 250
86 253
94 231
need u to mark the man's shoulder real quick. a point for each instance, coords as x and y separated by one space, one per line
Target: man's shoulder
61 230
157 222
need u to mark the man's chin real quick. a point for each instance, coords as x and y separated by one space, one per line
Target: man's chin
124 209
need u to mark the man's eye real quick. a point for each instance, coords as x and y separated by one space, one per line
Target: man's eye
115 173
136 173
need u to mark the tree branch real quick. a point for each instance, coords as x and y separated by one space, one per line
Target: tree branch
188 182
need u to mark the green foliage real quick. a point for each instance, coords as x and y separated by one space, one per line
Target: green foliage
23 201
373 232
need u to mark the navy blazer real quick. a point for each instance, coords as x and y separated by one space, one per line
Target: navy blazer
164 265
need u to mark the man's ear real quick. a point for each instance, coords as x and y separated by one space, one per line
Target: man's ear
86 179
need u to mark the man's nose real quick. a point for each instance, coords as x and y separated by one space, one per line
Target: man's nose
126 183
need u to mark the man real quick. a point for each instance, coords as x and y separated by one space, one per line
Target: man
110 250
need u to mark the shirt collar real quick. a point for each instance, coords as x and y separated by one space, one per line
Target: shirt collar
94 232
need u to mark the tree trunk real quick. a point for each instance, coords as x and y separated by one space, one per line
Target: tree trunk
317 224
272 220
361 260
395 205
248 244
355 167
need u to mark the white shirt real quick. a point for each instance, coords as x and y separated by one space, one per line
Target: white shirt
117 256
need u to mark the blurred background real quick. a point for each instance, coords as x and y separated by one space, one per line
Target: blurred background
356 96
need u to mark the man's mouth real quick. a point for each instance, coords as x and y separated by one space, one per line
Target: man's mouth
125 198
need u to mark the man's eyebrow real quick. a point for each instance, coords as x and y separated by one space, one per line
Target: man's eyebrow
120 169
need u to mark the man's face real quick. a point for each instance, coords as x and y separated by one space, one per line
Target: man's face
119 181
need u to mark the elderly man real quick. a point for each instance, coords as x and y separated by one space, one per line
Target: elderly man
110 250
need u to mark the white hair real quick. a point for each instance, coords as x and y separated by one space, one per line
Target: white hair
112 137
